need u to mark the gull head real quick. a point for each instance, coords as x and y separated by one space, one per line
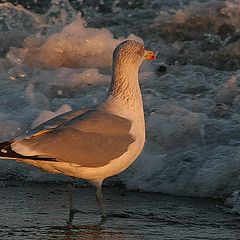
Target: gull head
132 53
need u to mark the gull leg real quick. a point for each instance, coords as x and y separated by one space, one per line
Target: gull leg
72 210
100 202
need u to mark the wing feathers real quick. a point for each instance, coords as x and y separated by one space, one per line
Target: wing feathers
92 139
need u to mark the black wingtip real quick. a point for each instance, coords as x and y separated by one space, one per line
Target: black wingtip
6 151
4 144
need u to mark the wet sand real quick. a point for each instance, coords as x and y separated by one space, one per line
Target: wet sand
40 210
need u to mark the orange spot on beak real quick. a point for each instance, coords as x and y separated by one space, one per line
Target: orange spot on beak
150 55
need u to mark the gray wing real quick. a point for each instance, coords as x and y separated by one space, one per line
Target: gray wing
92 139
52 124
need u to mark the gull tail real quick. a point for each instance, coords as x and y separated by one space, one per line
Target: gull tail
6 152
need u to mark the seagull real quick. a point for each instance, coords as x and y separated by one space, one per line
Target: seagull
92 144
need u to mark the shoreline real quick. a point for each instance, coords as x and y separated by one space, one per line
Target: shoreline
39 211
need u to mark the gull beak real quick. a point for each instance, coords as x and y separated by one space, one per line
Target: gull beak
150 55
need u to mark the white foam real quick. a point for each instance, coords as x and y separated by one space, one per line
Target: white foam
75 46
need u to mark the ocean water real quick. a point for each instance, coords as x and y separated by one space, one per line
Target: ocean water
55 57
133 215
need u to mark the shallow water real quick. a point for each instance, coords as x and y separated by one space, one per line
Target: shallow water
39 211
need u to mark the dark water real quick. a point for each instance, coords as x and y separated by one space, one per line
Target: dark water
39 211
